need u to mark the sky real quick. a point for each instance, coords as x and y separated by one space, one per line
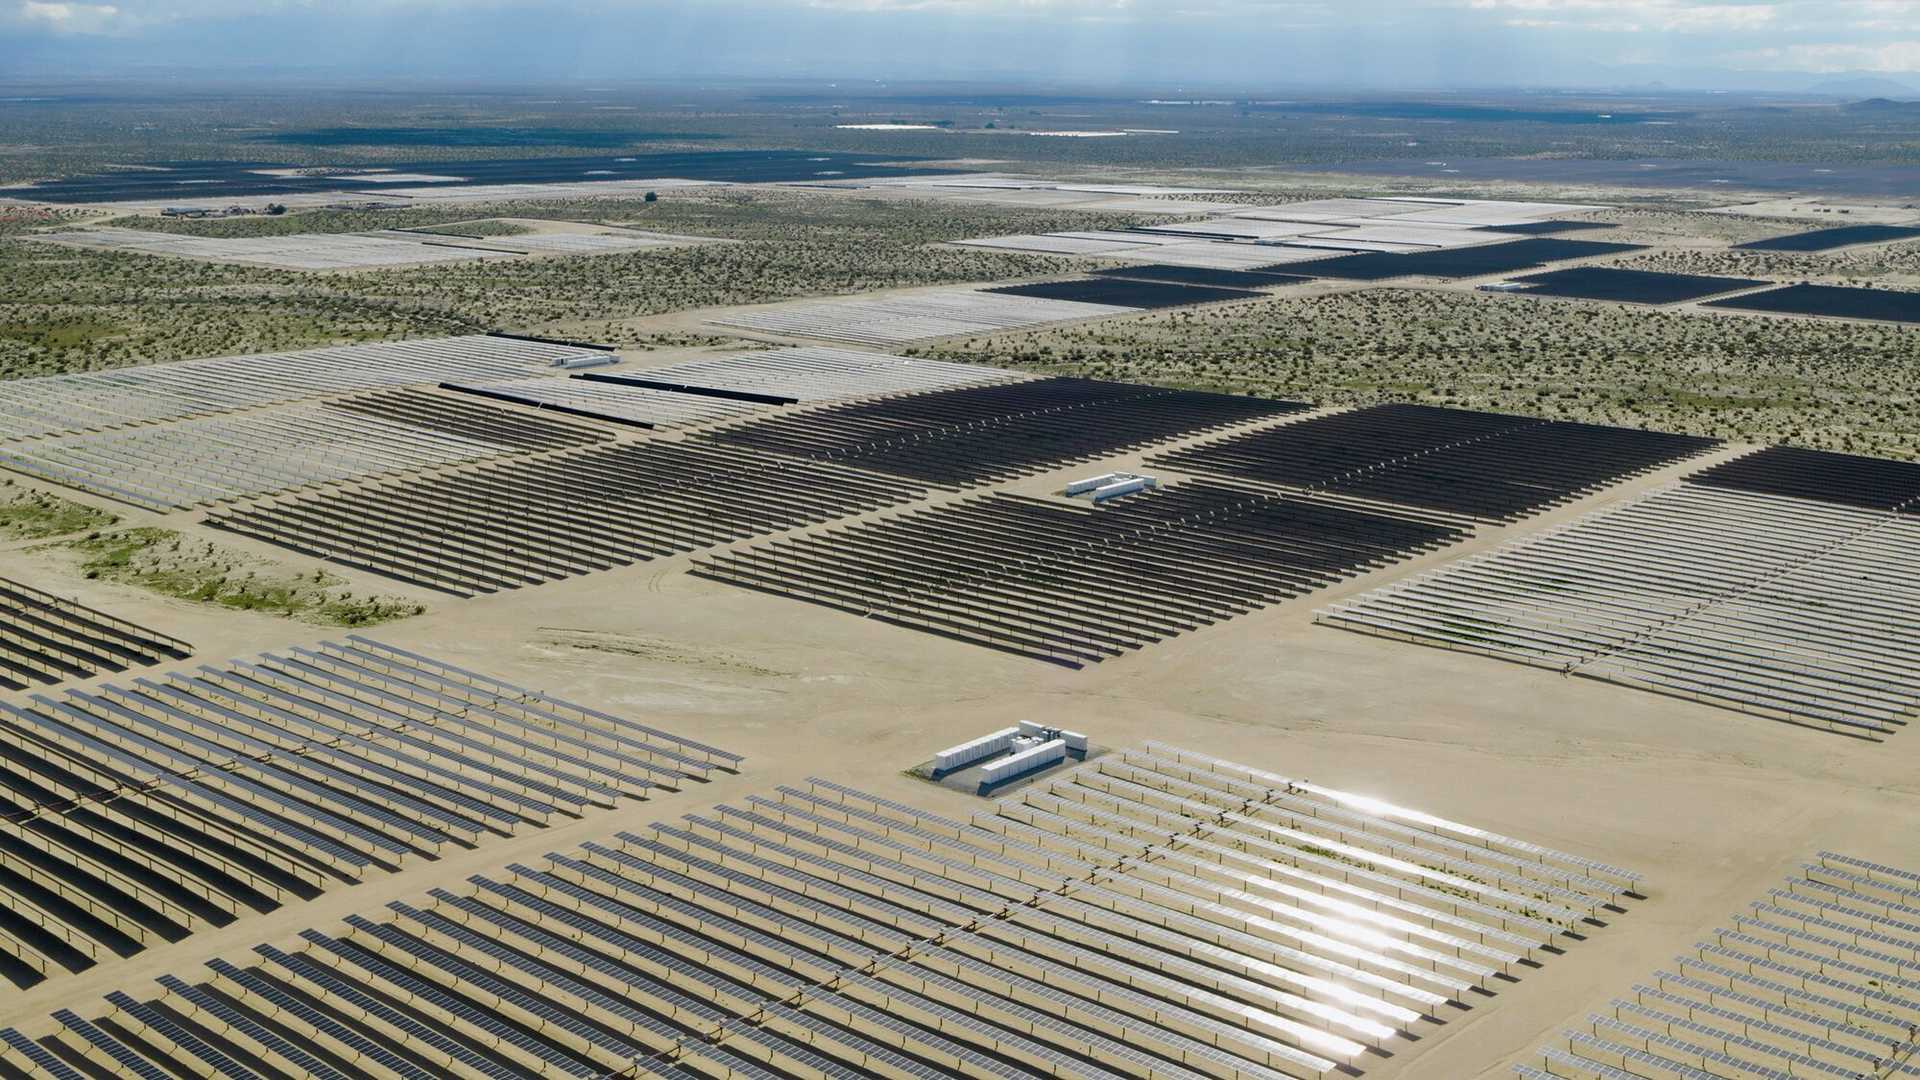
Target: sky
1170 44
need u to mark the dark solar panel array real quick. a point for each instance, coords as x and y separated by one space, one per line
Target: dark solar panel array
470 420
1831 301
816 930
526 522
46 640
1507 258
1074 585
956 438
1121 292
1630 286
1204 275
147 811
1868 483
1828 239
1482 465
1547 228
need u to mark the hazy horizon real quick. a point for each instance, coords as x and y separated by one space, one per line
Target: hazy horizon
1244 44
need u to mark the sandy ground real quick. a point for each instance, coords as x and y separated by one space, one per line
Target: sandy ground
1713 806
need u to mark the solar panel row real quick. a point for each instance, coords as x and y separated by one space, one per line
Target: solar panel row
1075 585
47 639
1794 990
516 523
971 435
100 400
1480 465
1142 931
1779 584
220 458
143 812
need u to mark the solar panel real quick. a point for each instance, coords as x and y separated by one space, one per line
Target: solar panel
1862 914
285 1004
896 914
1426 820
39 1056
468 974
1786 990
1705 1053
1099 1046
1729 1040
339 992
1604 1072
152 1019
701 917
691 973
1747 1024
133 1063
234 1018
1665 1066
1771 1008
732 900
1810 976
491 1025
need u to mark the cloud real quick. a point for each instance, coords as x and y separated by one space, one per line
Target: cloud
73 18
1633 16
1888 57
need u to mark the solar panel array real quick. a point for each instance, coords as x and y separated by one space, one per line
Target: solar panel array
1830 301
1502 258
1203 275
326 251
807 374
1781 584
1076 585
1481 465
355 251
1828 239
136 813
1307 230
1817 978
46 639
528 521
1629 286
909 317
1125 292
974 434
1155 914
98 400
610 399
220 458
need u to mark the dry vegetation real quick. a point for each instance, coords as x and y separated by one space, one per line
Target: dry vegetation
68 310
1831 385
27 514
172 565
1881 264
